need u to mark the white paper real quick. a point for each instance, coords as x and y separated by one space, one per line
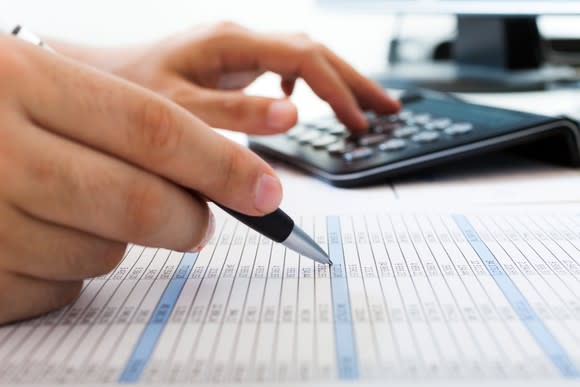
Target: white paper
412 296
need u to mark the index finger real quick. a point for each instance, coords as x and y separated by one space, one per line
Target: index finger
136 125
293 56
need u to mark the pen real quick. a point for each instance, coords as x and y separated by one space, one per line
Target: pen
277 225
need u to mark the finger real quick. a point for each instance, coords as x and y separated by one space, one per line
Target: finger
237 111
293 57
149 131
43 250
24 297
62 182
368 93
237 80
308 63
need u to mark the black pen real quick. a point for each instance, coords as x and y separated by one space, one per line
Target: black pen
279 227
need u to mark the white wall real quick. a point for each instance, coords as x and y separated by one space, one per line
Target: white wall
360 37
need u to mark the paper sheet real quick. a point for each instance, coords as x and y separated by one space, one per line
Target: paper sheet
411 296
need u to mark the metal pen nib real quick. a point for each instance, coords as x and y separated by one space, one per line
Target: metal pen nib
300 242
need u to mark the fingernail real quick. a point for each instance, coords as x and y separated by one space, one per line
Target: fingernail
208 234
268 193
281 115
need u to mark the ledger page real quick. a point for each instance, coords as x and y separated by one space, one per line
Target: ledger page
411 296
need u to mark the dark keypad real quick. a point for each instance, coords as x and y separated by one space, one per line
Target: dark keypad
386 134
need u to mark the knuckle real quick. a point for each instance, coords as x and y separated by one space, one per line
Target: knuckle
144 209
231 163
158 131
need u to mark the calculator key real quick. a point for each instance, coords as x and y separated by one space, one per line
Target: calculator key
371 139
420 119
358 154
393 118
323 141
459 128
296 131
340 147
337 129
438 124
406 131
308 136
405 115
425 136
386 127
394 144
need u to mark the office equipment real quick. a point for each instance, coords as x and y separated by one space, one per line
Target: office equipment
430 131
412 296
497 46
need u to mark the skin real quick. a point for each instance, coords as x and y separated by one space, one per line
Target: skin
104 147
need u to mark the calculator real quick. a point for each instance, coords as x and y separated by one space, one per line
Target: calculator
429 131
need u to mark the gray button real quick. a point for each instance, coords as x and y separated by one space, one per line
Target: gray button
337 129
406 131
420 119
393 145
459 128
339 148
296 131
439 124
425 136
358 154
405 115
324 141
386 127
371 139
308 136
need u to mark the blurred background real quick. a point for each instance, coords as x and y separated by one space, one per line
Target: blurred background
360 36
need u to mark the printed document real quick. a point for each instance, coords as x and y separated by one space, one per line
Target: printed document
411 296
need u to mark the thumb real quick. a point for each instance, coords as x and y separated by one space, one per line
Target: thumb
237 111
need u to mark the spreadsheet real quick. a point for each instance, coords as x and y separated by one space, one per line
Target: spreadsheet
410 296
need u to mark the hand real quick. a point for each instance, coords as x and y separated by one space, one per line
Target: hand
205 69
90 162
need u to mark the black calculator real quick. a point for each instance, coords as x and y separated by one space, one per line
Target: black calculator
428 131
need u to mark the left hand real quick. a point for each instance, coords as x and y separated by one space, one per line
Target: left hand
205 70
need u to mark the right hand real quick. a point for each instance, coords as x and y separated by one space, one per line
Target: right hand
89 163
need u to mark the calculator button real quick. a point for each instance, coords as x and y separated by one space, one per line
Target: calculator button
296 131
438 124
393 145
386 127
337 129
425 136
323 141
405 115
420 119
459 128
358 154
371 139
406 131
339 148
308 136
